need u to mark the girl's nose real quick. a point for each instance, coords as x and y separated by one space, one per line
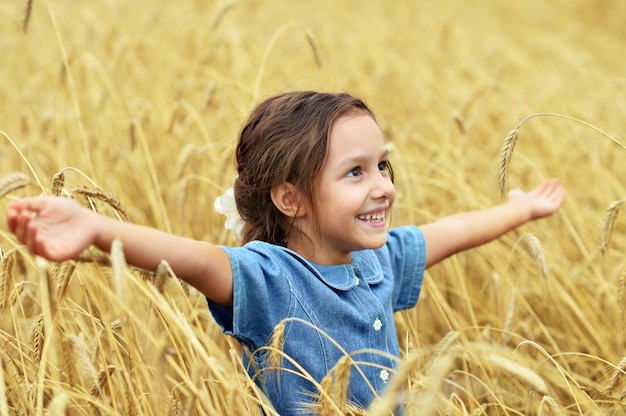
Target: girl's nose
383 187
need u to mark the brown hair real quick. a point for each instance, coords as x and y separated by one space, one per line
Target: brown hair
285 139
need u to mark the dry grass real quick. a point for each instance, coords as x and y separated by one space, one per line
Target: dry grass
133 108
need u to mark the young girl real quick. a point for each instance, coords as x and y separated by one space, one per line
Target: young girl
315 190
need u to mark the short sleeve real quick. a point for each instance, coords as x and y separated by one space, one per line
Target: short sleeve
261 295
405 255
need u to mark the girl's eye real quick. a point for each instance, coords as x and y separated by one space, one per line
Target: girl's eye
383 166
354 172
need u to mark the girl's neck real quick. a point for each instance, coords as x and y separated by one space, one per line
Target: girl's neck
315 253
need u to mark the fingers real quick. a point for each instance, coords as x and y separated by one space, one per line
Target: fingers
21 220
33 205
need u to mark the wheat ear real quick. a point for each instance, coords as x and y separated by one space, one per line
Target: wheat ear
37 337
58 182
505 158
511 140
336 383
63 273
276 345
6 264
28 8
551 403
58 405
608 225
161 275
443 346
536 249
101 382
308 33
616 378
12 183
111 200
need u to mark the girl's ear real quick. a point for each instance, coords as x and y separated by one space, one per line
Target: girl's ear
288 199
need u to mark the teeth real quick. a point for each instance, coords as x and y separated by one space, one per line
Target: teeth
370 217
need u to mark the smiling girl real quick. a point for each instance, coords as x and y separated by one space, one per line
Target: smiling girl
315 191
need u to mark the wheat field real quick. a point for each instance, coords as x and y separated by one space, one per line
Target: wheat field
133 108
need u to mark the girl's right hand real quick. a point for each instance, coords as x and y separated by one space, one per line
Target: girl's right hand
55 228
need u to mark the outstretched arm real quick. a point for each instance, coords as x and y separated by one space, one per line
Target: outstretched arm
462 231
59 229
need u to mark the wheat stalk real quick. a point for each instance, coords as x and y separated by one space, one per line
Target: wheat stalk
13 182
608 224
506 326
620 297
30 167
119 266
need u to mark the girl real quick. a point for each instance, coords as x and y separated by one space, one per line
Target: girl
315 190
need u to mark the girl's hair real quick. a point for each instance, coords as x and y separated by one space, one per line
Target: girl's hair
285 139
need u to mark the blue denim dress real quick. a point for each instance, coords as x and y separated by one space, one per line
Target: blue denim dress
330 311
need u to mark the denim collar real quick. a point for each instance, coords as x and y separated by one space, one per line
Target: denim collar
365 265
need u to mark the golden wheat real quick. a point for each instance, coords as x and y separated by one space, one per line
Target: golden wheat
62 273
58 182
551 403
90 104
608 225
58 406
335 383
28 7
276 345
111 200
616 379
505 158
536 250
161 275
521 371
12 183
98 388
37 337
6 280
16 292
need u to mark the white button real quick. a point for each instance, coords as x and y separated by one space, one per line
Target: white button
377 325
356 281
384 375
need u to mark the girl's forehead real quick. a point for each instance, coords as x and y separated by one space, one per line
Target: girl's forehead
355 127
353 138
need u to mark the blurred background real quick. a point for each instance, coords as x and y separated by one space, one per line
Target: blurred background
144 100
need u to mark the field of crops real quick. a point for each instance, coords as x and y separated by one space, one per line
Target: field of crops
133 107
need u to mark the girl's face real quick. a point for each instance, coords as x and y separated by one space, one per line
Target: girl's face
354 193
